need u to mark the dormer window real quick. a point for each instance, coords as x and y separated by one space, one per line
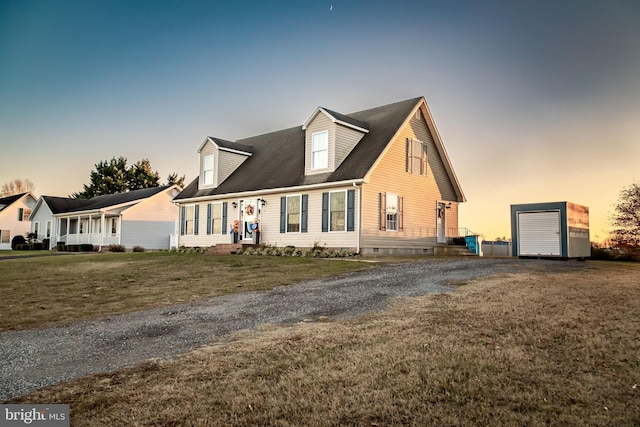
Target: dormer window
207 170
320 150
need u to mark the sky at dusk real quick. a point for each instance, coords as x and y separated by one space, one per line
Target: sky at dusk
535 101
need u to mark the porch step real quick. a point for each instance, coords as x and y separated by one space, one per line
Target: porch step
223 249
228 248
452 250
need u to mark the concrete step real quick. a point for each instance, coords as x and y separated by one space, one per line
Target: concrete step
452 250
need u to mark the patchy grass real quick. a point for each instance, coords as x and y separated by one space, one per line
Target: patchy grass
532 348
42 291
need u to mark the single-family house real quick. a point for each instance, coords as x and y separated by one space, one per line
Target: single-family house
145 218
14 217
377 181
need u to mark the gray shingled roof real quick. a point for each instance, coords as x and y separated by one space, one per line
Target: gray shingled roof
9 200
60 205
278 157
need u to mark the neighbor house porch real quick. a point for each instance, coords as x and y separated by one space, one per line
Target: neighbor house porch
99 229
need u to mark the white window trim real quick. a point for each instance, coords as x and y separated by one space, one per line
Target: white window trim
48 229
286 226
345 211
193 227
386 212
222 226
313 166
212 170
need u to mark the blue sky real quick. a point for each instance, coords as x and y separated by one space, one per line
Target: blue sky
535 100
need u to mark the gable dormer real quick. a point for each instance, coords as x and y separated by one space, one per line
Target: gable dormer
329 138
218 160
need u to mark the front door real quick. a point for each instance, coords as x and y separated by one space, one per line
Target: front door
248 216
441 223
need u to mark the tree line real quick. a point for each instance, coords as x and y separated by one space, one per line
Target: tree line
109 177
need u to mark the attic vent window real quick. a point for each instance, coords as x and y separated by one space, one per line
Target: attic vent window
418 114
320 150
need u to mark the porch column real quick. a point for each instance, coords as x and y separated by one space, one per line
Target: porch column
68 224
89 229
120 229
102 231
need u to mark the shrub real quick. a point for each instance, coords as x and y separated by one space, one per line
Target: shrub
17 240
138 249
116 248
86 247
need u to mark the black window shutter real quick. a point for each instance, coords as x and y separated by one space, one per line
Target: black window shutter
424 159
283 214
325 212
224 217
304 210
351 204
183 217
383 211
209 207
196 218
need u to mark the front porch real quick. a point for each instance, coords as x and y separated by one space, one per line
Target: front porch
98 230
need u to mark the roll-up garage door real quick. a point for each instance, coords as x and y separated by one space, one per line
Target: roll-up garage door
539 233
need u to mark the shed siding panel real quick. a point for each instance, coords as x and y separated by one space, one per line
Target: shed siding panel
421 193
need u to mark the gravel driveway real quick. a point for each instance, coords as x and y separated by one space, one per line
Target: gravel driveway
36 358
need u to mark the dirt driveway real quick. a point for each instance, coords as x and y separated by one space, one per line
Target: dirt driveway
37 358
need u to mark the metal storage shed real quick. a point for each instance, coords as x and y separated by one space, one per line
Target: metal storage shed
554 230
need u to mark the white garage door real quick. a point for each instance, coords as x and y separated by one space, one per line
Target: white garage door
539 233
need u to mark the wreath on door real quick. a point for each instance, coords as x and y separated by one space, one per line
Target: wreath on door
249 210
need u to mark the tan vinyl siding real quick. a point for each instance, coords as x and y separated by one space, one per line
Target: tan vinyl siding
320 123
207 150
420 193
227 164
346 138
337 239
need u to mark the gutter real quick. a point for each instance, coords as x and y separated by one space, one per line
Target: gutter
353 182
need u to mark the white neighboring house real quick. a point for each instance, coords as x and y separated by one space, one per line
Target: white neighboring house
14 217
146 218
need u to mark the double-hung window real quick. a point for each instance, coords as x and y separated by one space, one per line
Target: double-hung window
391 213
337 211
293 214
320 150
5 236
216 218
48 232
207 170
189 219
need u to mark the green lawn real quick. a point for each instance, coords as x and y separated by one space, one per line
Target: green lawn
39 291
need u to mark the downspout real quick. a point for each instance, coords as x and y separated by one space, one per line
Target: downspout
359 232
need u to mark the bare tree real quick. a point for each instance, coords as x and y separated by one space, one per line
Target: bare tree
626 220
17 186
